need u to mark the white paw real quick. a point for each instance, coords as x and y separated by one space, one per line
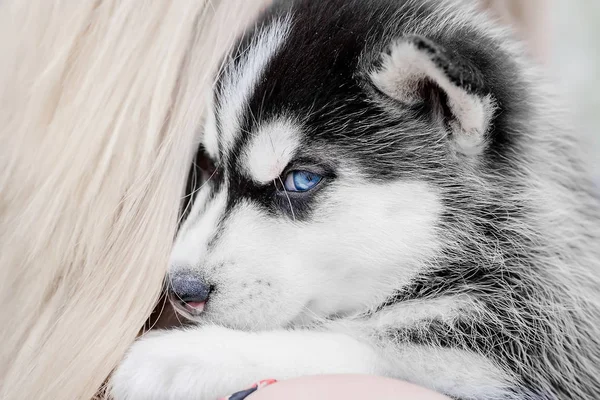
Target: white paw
178 365
209 362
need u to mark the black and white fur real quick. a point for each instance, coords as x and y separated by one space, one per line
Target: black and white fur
455 239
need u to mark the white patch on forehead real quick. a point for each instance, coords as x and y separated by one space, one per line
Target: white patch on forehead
239 83
270 150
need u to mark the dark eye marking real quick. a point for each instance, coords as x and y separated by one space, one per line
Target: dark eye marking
205 163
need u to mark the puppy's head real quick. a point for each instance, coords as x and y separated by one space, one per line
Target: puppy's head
329 132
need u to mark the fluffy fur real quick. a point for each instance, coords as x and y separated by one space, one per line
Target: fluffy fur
99 107
453 240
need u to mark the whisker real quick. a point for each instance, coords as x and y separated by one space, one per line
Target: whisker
170 284
162 309
288 198
194 191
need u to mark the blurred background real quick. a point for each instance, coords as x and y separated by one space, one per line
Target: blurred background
564 36
574 56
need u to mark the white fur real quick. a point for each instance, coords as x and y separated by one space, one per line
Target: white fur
272 148
210 362
410 313
363 242
454 372
239 84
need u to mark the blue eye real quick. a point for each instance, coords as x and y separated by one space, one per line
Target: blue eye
301 181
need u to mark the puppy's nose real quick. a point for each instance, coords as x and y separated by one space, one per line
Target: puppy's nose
189 288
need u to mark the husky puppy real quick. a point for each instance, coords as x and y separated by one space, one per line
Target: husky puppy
388 188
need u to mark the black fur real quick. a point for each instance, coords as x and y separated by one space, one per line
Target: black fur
319 76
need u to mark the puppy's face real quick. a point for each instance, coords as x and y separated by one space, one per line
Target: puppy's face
317 197
288 229
292 222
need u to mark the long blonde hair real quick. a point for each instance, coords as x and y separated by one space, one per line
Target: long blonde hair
100 104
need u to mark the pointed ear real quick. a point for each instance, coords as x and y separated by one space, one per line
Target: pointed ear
417 71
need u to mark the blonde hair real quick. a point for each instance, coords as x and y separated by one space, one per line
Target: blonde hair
100 104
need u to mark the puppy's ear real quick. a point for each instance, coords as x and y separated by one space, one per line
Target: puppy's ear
417 71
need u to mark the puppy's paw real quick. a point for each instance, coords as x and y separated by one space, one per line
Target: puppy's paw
209 362
182 365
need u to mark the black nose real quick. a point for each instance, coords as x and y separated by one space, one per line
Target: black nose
189 287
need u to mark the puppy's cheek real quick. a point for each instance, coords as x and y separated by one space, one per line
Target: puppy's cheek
242 300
